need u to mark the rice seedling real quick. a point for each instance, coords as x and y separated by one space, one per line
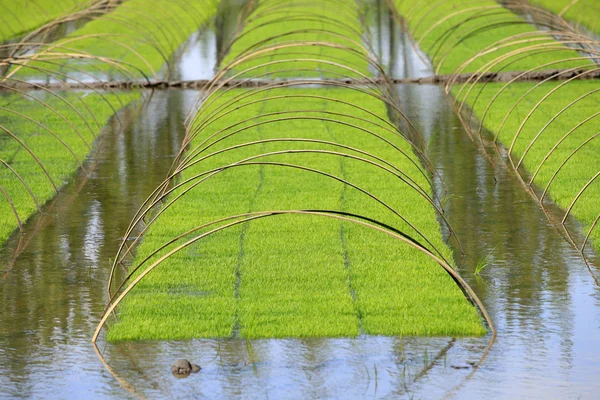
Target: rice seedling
56 28
484 262
547 127
580 12
42 142
19 17
272 270
550 129
463 36
303 28
297 209
135 40
46 135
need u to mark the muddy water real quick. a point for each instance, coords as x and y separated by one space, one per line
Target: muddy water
540 294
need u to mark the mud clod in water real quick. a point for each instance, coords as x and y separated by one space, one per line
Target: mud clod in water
182 368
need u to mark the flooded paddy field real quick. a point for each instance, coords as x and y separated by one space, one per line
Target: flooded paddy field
541 294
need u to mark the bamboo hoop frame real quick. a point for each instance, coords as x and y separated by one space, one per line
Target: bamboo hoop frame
559 35
260 58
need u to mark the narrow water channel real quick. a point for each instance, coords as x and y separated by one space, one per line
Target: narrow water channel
536 287
538 290
52 292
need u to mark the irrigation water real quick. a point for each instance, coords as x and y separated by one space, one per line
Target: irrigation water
542 297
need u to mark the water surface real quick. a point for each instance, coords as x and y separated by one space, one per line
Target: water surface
537 289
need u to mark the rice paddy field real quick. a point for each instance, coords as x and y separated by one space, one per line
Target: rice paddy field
48 134
41 149
135 40
254 283
547 127
299 199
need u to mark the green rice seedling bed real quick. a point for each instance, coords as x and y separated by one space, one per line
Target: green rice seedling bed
19 17
296 275
581 12
135 39
300 26
551 125
40 133
457 30
581 167
42 130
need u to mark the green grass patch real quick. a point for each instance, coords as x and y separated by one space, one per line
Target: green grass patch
19 17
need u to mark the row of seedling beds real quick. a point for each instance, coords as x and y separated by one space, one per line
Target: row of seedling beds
582 13
46 135
21 17
548 128
297 209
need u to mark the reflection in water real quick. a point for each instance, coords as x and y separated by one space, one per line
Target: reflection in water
196 58
52 296
392 46
540 295
537 288
201 53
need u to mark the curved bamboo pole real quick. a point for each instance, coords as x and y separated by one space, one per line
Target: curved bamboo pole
564 162
204 176
213 112
264 214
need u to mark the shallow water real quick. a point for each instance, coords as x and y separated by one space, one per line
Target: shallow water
51 294
539 292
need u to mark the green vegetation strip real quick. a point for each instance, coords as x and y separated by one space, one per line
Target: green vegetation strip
46 136
134 40
549 128
452 32
19 16
40 148
299 276
292 31
581 12
557 140
294 274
